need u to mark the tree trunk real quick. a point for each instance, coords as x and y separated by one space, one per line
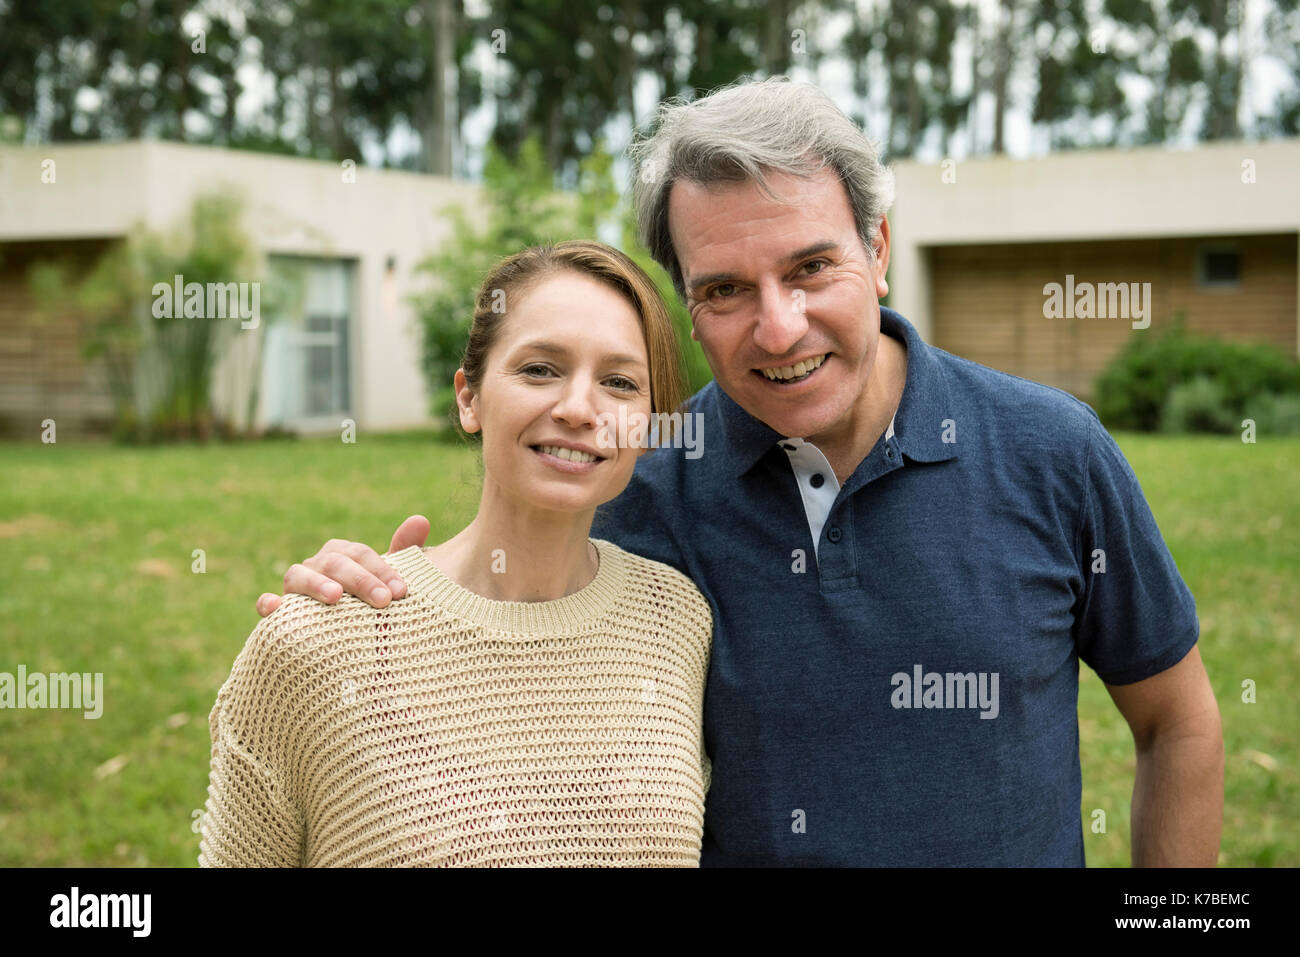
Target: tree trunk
628 60
1002 70
777 45
441 112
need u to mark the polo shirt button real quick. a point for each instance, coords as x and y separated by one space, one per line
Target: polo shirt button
889 453
817 481
833 534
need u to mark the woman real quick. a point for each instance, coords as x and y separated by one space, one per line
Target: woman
536 698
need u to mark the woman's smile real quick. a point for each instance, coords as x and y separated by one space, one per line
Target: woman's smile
570 457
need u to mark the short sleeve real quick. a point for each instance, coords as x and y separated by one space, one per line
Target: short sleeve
1136 616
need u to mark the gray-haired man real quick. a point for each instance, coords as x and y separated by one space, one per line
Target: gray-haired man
900 546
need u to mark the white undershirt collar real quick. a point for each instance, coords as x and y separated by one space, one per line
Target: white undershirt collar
818 485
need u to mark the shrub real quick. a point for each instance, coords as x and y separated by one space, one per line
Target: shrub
160 370
1276 414
1134 388
1197 406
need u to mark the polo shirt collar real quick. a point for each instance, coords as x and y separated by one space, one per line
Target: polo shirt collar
918 423
927 401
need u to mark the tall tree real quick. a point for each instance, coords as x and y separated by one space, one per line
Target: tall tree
1078 75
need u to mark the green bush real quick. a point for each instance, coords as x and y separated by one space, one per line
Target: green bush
160 370
1197 406
1133 389
1276 414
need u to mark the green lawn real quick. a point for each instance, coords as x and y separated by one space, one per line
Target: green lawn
96 545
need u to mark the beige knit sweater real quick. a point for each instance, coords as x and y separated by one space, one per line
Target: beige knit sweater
451 730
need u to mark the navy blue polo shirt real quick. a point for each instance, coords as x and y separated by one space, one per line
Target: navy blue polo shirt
908 694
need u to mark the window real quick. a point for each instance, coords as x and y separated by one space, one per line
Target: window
1218 267
305 372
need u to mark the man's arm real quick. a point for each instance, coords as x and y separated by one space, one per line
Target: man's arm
1178 791
352 567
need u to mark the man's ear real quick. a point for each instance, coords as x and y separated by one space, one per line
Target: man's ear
467 402
881 247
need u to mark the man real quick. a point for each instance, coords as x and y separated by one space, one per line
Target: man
907 553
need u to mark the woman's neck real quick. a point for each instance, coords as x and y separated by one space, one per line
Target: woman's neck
512 552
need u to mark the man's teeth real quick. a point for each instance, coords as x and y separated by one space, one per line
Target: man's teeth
795 371
572 455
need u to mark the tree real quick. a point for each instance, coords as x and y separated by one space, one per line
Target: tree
1078 75
160 366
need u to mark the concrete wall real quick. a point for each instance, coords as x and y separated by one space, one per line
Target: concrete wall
294 206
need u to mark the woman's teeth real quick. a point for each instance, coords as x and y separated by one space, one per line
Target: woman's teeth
571 455
796 371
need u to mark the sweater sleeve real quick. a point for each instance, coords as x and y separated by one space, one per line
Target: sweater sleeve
249 819
706 635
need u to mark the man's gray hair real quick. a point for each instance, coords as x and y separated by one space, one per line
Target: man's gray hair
741 130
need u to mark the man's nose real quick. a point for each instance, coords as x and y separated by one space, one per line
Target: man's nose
781 320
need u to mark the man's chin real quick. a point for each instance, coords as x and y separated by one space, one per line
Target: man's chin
797 425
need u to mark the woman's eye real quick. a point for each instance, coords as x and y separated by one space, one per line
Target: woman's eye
536 370
622 383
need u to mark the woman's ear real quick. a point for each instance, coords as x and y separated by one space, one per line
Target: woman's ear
467 402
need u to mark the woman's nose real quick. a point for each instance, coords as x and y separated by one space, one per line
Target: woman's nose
576 404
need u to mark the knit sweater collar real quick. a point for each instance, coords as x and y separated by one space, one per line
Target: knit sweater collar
426 581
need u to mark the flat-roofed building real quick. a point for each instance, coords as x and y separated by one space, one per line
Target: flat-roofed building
1214 231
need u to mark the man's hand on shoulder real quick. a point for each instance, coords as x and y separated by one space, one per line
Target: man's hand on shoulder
351 567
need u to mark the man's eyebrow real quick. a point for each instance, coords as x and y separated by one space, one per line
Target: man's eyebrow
555 349
824 245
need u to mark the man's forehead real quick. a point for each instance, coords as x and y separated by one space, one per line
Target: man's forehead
695 208
716 239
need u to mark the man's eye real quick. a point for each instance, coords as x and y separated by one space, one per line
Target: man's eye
821 264
716 291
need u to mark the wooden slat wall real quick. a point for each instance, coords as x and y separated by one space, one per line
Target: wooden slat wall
988 301
42 372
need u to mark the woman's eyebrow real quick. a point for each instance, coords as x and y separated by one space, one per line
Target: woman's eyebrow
554 348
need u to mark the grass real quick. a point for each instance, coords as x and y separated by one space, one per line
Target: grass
97 546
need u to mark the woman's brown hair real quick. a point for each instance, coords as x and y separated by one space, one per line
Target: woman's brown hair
515 275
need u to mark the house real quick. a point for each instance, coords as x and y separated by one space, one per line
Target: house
1044 268
985 250
347 348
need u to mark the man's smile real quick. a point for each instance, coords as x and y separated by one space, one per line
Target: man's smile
795 373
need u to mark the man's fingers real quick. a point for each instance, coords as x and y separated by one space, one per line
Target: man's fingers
352 567
267 603
301 580
368 559
413 531
337 570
